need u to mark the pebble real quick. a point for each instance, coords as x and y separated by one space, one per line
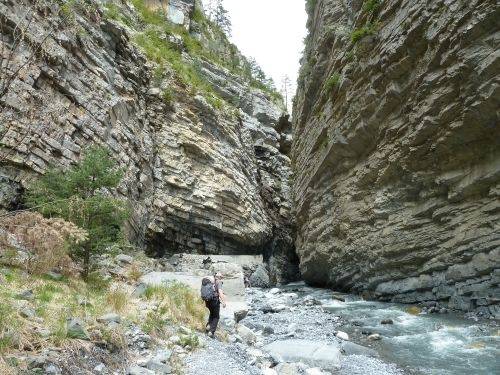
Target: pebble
374 337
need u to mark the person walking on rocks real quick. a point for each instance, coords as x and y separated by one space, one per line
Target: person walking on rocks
212 294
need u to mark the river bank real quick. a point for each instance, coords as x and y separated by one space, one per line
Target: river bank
353 336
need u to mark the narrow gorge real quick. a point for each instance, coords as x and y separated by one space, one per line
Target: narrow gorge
356 229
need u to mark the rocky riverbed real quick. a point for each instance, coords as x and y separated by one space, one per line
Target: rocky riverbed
296 329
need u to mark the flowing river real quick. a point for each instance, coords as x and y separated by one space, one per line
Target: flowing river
416 343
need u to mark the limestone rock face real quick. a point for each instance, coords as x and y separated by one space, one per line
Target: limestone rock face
396 151
200 179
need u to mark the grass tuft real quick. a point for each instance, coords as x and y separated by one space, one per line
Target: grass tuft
177 303
358 34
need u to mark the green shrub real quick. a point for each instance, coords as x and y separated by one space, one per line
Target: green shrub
168 95
358 34
332 82
372 6
189 340
310 6
81 195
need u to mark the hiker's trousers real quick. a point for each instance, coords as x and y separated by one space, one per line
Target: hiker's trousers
214 307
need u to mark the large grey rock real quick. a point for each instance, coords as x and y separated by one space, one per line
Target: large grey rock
312 353
246 334
260 278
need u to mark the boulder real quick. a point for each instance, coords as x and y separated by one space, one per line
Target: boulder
260 277
312 353
240 315
246 334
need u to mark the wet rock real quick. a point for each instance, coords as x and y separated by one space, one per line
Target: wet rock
350 348
387 321
310 352
414 310
374 337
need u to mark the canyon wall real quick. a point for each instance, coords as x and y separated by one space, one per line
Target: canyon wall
205 166
396 153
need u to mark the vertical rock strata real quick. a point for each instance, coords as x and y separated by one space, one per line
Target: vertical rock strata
200 178
396 151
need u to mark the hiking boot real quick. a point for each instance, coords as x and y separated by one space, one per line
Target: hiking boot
210 334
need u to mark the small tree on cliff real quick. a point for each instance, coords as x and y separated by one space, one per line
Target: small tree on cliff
220 16
81 195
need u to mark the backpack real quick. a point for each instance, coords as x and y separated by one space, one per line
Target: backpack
207 291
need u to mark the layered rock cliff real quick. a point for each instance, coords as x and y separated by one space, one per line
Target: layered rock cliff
201 143
396 150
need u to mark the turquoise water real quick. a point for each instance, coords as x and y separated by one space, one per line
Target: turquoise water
437 344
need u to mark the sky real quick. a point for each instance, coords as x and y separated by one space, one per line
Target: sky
272 32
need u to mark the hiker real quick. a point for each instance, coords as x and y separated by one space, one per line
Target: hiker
212 294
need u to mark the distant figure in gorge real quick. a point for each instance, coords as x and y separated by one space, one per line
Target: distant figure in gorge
212 294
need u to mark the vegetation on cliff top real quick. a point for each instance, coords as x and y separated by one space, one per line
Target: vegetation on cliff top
164 42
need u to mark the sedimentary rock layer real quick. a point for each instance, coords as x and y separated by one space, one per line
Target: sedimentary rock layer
396 150
199 179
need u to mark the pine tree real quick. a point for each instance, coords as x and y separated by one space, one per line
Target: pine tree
81 195
219 15
286 91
